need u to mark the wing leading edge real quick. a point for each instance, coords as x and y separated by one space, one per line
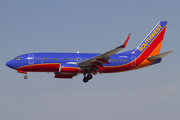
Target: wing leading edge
99 60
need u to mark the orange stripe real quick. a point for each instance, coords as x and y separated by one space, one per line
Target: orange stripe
141 59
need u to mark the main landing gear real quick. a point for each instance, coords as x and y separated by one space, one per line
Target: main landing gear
87 78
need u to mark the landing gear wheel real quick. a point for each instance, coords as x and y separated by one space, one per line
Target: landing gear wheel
25 77
89 76
85 79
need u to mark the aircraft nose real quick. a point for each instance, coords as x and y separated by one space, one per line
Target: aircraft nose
10 64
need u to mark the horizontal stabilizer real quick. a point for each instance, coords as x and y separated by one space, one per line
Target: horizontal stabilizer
159 56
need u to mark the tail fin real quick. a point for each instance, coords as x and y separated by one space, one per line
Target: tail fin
151 45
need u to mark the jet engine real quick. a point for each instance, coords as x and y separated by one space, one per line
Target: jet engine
68 68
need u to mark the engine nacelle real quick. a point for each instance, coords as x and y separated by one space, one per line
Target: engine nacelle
59 75
68 68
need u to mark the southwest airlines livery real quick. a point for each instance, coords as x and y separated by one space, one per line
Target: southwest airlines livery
68 65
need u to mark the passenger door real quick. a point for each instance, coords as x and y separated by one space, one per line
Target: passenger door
133 58
31 59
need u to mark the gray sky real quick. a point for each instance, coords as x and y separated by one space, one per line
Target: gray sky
94 26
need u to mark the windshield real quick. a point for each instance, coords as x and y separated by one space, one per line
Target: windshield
17 58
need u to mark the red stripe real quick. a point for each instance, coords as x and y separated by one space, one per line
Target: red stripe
40 68
141 58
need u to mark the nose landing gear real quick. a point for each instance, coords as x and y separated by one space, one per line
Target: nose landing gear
87 78
24 72
25 77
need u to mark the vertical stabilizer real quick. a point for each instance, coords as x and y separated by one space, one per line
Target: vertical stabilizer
151 45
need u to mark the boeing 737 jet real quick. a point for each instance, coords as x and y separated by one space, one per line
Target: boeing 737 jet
68 65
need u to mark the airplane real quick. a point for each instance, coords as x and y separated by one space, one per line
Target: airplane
68 65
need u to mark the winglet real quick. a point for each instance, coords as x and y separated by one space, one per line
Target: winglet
124 43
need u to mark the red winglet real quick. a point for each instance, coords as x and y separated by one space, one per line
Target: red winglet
104 61
126 41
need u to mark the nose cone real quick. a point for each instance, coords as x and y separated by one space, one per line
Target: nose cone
10 64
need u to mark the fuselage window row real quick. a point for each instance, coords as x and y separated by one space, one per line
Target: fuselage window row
118 60
49 58
73 59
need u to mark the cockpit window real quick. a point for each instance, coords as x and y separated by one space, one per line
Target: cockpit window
18 58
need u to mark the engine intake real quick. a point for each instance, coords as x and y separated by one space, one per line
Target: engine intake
68 68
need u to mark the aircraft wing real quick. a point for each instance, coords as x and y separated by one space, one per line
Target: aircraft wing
99 60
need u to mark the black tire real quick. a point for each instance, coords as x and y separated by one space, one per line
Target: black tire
85 79
89 76
25 77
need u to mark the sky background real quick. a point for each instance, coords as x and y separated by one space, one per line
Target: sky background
88 26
